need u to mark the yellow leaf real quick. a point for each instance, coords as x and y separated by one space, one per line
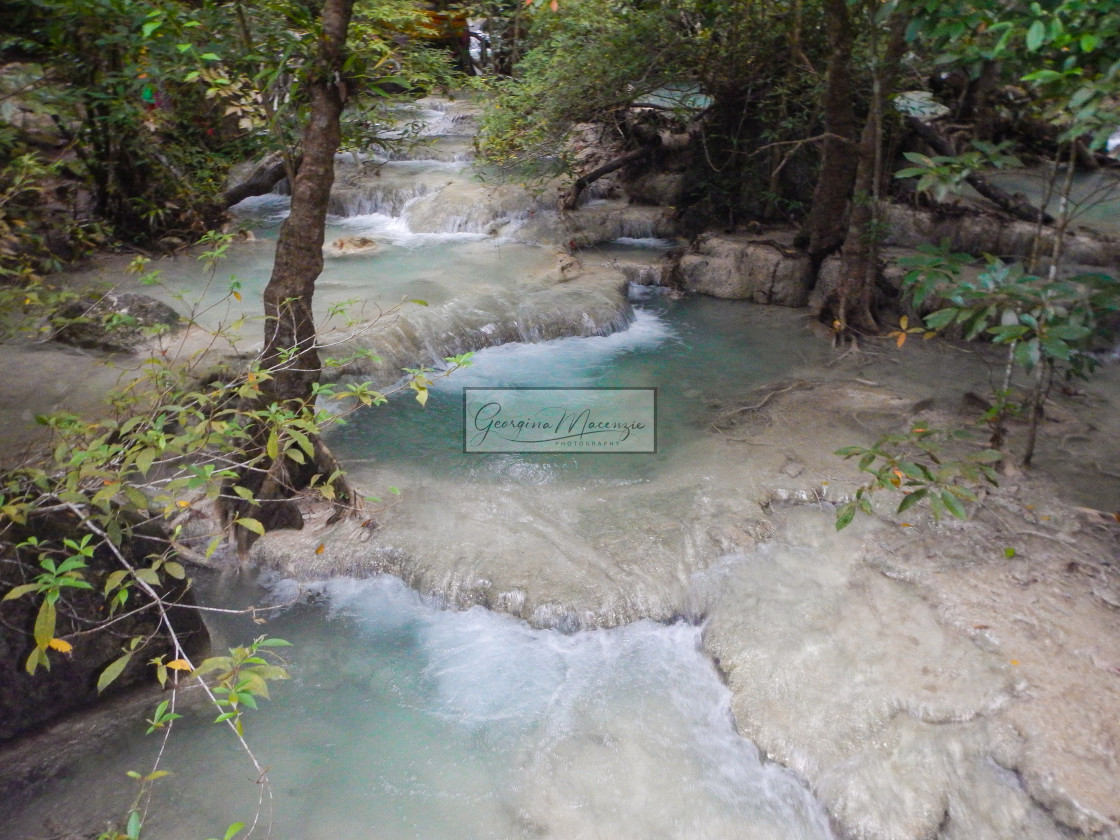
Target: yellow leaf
237 295
1014 661
901 339
183 504
61 645
904 322
321 547
179 665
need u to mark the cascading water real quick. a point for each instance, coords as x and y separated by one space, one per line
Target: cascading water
407 720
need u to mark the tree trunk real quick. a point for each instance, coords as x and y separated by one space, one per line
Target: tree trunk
825 227
849 305
290 355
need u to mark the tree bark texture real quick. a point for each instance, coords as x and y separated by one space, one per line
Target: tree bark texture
854 305
826 224
290 354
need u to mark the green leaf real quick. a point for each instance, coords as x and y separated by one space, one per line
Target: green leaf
148 575
37 657
844 515
250 524
303 441
114 580
273 643
112 671
21 590
1035 35
912 499
941 318
174 569
45 622
145 458
953 505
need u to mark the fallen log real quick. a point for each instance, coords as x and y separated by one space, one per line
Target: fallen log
1016 205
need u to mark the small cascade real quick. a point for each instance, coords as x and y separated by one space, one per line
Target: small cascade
594 304
389 200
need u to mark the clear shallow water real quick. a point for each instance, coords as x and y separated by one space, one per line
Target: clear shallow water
698 353
403 720
432 267
406 721
1094 198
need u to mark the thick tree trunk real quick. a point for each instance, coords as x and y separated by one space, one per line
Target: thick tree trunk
290 355
854 306
824 229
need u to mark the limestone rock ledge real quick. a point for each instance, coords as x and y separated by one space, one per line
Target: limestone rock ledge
747 267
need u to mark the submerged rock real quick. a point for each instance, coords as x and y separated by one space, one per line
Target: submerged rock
350 246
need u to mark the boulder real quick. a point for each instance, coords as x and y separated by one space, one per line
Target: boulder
746 267
115 321
28 702
987 233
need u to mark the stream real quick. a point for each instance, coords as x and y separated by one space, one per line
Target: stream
408 720
415 712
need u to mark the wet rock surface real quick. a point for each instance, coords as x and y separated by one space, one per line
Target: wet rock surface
114 321
922 681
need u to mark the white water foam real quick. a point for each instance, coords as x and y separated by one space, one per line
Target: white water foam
567 362
625 733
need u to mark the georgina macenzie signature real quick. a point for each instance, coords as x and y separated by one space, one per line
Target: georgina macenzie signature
564 426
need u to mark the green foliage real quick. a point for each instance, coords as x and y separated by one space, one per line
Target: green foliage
916 464
176 437
242 677
48 586
152 101
1058 48
1042 320
942 175
636 49
1046 324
